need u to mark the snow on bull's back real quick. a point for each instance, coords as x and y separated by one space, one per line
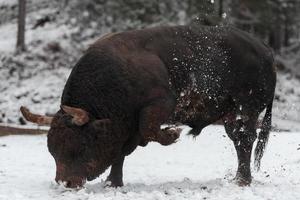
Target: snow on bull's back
198 168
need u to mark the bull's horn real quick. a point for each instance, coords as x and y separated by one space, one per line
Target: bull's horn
38 119
80 116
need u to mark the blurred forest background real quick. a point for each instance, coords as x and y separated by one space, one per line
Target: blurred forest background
34 68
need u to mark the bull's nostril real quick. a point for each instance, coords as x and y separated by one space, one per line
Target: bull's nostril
71 182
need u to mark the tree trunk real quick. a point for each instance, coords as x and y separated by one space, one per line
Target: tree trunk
221 9
21 26
286 30
275 38
286 34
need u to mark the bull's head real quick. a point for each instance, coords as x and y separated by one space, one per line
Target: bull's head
83 147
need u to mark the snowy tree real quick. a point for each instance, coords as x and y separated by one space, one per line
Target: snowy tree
275 21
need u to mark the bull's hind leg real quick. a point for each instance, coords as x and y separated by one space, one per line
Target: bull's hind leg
242 131
153 116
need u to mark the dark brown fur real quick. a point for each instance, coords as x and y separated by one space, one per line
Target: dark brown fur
139 80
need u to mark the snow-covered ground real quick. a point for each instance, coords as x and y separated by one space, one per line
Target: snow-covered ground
200 168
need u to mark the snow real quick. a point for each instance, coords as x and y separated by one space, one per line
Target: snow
8 37
8 2
287 106
48 33
41 89
200 168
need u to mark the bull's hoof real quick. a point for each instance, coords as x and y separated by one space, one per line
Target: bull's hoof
110 182
169 136
242 182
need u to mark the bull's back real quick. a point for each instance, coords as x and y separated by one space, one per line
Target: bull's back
213 64
213 61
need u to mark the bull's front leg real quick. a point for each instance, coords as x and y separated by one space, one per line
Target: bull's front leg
152 117
115 177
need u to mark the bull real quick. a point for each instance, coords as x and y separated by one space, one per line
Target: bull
127 84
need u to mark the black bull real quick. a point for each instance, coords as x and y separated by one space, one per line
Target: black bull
128 84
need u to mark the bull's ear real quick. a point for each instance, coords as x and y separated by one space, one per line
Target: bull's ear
104 125
80 116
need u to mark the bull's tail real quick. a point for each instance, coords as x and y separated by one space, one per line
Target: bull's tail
263 136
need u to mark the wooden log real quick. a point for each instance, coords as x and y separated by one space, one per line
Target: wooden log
21 130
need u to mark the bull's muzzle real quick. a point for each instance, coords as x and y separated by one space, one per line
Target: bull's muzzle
69 181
